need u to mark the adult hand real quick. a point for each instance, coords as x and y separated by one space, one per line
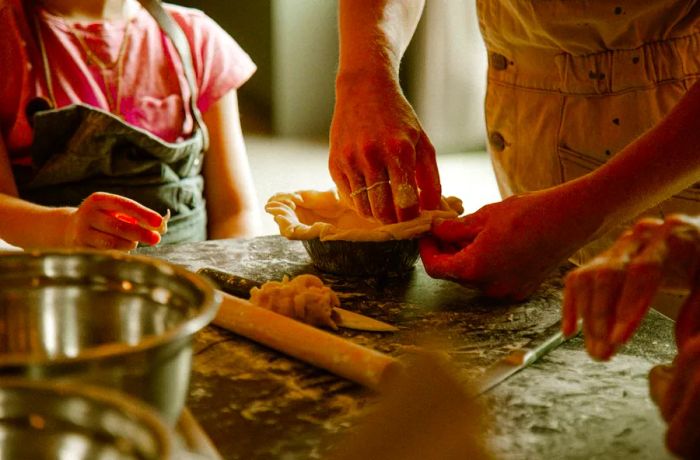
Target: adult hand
106 221
613 292
380 158
507 248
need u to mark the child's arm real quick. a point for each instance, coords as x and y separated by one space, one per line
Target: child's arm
228 183
93 224
17 216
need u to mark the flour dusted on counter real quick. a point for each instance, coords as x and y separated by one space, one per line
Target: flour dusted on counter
304 297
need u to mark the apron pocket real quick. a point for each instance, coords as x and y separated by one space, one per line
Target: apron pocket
576 164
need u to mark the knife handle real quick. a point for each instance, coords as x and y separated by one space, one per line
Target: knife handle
545 342
543 348
227 282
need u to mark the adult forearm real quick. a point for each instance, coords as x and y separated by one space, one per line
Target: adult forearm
660 163
29 225
374 34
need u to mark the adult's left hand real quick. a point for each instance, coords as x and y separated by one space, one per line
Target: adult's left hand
380 158
507 248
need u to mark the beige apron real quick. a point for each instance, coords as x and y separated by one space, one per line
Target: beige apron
572 82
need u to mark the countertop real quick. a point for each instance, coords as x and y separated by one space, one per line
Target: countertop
256 403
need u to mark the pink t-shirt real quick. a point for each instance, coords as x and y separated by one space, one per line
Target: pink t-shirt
147 87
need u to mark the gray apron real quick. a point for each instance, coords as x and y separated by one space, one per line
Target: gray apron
78 150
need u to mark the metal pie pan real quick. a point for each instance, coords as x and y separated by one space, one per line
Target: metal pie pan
363 258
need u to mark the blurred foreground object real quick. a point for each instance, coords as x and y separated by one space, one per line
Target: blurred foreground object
105 318
426 414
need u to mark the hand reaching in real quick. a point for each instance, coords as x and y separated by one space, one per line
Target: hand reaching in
380 158
613 292
106 221
507 248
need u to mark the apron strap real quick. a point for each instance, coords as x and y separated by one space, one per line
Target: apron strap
179 40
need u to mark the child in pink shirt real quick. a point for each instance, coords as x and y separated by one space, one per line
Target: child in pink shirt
112 55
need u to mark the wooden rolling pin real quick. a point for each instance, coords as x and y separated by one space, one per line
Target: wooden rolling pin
337 355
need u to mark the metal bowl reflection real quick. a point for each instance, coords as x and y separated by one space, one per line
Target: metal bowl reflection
48 420
104 318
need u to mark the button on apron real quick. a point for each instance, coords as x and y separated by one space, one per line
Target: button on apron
497 141
498 61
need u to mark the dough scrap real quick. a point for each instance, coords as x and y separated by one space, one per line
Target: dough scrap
304 297
163 225
309 214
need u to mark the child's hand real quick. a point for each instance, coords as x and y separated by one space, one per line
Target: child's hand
107 221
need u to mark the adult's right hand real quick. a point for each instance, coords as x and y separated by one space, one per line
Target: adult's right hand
507 249
107 221
380 158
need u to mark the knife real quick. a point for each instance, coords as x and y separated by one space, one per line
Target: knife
240 287
520 358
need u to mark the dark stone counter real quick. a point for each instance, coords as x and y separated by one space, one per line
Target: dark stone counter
256 403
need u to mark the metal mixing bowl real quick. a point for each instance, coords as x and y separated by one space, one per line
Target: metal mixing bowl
53 421
104 318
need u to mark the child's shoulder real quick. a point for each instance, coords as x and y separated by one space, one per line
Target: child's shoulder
197 26
184 15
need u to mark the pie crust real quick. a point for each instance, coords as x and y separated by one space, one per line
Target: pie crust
310 214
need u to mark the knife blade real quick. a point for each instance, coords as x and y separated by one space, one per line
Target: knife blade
240 287
520 358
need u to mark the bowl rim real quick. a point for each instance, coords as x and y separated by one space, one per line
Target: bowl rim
131 407
119 350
